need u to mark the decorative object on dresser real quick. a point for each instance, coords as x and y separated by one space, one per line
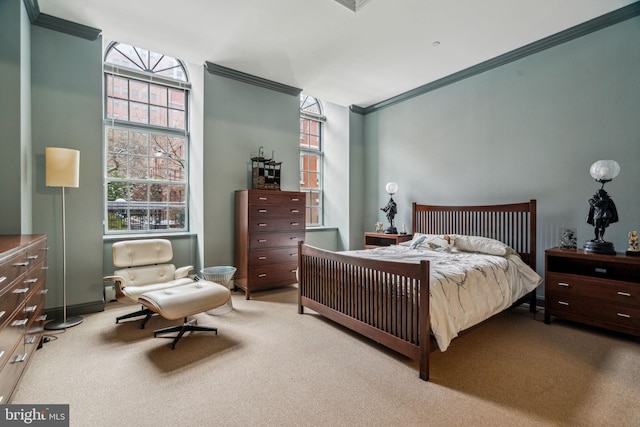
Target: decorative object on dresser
633 244
23 275
375 240
596 289
265 173
602 210
569 239
63 170
268 226
391 209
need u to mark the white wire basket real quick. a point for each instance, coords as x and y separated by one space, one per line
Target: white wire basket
221 275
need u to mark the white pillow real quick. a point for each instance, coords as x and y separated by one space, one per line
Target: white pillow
484 245
434 242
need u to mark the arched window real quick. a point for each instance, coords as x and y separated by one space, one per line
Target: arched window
311 157
146 128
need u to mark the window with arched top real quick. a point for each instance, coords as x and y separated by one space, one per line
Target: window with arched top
311 158
146 134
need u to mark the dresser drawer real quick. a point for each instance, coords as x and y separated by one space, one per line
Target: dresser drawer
12 336
276 274
261 198
274 240
262 257
567 285
275 224
11 269
10 374
274 211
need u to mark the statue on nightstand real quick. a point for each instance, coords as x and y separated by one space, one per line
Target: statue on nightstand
633 244
602 212
391 210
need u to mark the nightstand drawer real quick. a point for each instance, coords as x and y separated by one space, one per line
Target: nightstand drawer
607 315
567 285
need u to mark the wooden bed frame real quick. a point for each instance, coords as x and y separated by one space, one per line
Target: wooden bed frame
389 301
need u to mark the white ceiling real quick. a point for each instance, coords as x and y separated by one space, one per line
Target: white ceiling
384 49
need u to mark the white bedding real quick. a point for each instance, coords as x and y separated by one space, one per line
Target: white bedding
465 288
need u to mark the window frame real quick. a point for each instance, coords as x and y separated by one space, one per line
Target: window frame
318 117
173 211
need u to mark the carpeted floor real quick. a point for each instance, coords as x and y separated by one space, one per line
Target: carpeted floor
270 366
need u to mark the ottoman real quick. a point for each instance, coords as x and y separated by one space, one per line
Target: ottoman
183 301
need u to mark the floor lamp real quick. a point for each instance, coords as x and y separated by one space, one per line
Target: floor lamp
63 170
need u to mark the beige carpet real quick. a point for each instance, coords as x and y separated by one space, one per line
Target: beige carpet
271 366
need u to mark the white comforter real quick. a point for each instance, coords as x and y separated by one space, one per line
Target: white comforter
465 288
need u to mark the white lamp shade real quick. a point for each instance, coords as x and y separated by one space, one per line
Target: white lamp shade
63 167
391 187
604 170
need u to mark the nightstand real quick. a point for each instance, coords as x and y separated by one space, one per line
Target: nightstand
595 289
375 240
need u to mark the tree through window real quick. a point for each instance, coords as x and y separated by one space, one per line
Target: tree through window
146 141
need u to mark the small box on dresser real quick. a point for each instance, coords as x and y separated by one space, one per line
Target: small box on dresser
23 266
268 226
594 289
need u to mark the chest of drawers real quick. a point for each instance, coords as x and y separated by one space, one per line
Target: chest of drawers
23 265
595 289
268 226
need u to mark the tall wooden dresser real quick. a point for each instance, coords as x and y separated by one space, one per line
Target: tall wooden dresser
23 268
595 289
268 226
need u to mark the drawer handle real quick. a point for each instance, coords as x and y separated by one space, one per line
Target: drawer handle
42 318
31 308
19 322
32 257
262 210
294 199
19 358
262 198
262 258
624 294
626 316
44 249
262 224
262 275
21 291
566 285
30 281
563 303
43 291
2 313
45 267
293 238
29 340
294 223
294 211
293 254
600 270
21 264
3 278
1 353
262 240
294 270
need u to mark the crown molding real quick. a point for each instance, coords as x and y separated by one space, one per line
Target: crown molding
219 70
57 24
611 18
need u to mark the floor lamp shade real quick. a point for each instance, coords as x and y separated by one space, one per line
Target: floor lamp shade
63 167
63 170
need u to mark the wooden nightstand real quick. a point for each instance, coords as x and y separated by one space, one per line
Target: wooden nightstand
375 240
595 289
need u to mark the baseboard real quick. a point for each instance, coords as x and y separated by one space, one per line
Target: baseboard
75 310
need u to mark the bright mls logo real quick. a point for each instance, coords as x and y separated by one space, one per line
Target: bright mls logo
35 415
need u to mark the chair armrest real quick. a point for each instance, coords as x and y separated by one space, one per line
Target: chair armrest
118 280
182 272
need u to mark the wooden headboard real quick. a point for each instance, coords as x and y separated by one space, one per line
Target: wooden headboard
513 224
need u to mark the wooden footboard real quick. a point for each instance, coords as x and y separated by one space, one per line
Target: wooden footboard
382 300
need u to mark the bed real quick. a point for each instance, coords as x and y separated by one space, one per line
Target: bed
384 294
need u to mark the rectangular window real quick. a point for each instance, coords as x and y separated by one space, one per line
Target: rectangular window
311 169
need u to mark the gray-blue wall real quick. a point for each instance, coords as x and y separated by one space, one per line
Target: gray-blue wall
527 130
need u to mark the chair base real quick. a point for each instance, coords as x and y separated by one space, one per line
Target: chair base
142 312
187 326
